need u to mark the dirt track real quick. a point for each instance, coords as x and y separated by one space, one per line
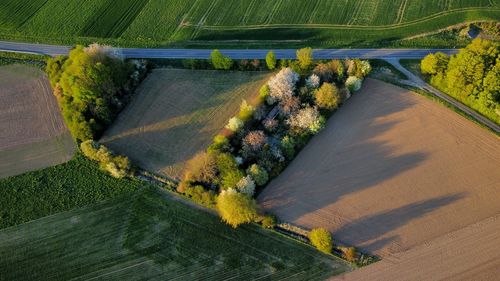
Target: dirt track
33 134
391 171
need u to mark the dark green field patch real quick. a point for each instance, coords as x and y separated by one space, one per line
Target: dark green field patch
113 18
148 236
13 13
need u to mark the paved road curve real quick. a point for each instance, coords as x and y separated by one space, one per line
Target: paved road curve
54 50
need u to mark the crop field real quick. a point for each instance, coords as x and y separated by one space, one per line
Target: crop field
167 22
176 113
148 236
33 133
391 171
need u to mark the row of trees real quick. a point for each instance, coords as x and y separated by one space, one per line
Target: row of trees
265 136
91 85
472 76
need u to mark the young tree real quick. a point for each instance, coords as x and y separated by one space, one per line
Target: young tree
246 185
219 61
327 97
350 254
236 208
201 168
353 83
258 174
305 57
281 85
271 60
321 239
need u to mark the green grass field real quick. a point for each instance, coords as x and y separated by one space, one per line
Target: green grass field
76 183
148 236
323 23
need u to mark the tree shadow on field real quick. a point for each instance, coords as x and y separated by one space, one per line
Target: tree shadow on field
367 232
351 155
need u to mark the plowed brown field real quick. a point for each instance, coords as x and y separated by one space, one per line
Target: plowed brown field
176 113
32 132
391 171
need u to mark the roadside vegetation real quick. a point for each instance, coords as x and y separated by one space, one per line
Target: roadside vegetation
92 85
471 76
208 23
7 58
147 235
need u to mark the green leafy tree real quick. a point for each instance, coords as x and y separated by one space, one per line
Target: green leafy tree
236 208
220 61
327 97
258 174
321 239
271 60
305 57
434 63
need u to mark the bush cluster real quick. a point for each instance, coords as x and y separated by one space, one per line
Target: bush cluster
264 136
471 76
91 86
117 166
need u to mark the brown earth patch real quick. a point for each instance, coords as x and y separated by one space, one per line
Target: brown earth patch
392 170
33 134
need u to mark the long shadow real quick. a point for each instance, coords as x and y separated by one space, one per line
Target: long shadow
368 231
373 161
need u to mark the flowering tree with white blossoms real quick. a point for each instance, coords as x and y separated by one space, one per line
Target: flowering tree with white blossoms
307 119
313 81
353 83
246 185
235 124
281 85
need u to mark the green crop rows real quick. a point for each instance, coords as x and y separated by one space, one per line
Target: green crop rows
60 188
167 22
147 236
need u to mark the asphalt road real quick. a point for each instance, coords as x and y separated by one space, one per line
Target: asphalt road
146 53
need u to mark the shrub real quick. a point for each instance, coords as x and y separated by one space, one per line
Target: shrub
201 168
288 146
201 196
313 81
246 185
321 239
305 57
353 83
246 111
271 60
219 143
252 143
327 97
219 61
236 208
288 105
337 68
117 166
258 174
264 92
268 221
350 254
306 119
281 85
229 173
324 72
235 124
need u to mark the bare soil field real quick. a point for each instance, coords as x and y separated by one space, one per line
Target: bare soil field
33 134
392 170
176 113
